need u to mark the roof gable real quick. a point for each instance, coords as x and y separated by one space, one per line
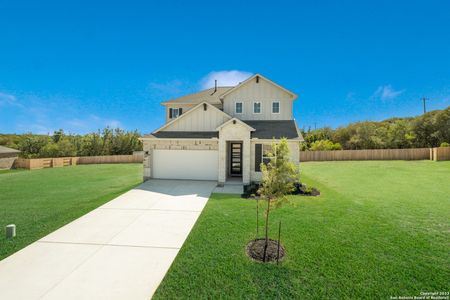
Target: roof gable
235 121
257 77
202 117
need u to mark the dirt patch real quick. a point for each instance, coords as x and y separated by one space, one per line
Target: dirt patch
255 250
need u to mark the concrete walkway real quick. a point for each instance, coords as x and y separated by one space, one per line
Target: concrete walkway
121 250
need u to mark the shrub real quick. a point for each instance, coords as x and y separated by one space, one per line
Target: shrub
444 144
323 145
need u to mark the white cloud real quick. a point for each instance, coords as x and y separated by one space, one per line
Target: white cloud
224 78
386 92
8 99
90 123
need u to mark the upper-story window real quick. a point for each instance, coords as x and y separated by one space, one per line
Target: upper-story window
256 107
175 112
276 107
238 108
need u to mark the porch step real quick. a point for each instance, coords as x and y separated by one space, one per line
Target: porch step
230 188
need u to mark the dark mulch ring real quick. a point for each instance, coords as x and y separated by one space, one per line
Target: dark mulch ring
255 250
301 189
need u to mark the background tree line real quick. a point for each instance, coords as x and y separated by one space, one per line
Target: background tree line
105 142
428 130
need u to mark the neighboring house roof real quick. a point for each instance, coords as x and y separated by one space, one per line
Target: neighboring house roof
275 129
4 149
186 134
203 96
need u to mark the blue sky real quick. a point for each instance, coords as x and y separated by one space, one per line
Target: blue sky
83 65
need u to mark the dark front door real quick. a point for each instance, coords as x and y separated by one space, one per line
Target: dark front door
236 159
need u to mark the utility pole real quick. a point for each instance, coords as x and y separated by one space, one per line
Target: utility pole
424 99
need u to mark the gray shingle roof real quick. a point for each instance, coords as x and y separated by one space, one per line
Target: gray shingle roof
186 134
4 149
264 130
274 129
207 95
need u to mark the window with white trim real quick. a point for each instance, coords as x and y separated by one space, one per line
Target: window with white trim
175 112
256 107
266 153
276 107
238 108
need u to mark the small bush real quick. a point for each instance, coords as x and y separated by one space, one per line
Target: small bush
322 145
444 144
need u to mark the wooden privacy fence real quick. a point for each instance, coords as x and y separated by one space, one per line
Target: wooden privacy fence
441 153
40 163
378 154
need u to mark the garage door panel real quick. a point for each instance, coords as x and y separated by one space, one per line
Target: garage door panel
185 164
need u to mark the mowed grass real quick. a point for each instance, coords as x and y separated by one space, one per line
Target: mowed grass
379 229
41 201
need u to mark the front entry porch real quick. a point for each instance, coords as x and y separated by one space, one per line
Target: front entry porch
234 152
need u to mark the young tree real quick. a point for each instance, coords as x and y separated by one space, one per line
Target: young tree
279 176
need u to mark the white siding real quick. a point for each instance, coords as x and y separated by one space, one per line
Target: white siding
184 107
264 92
199 120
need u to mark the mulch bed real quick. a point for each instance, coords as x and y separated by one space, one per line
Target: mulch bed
255 250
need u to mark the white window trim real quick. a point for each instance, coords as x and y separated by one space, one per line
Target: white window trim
173 112
262 152
242 106
279 107
260 107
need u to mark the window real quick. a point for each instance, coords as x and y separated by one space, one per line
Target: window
276 107
238 108
175 112
256 107
266 150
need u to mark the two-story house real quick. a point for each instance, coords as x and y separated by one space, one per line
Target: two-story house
222 132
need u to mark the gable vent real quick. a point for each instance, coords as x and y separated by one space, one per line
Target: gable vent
257 79
205 106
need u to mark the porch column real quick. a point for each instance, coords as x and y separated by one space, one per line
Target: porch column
246 161
222 161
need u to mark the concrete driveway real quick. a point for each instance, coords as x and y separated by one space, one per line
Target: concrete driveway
121 250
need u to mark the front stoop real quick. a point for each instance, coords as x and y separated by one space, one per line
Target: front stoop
230 187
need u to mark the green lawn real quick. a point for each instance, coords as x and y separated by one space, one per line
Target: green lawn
40 201
379 229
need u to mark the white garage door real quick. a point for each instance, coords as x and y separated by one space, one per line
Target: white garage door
185 164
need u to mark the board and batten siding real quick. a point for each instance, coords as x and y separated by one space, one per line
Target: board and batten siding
199 120
185 108
264 92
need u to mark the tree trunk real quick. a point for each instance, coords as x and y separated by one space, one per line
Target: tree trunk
267 230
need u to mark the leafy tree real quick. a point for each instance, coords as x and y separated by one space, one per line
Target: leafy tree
31 145
428 130
278 179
